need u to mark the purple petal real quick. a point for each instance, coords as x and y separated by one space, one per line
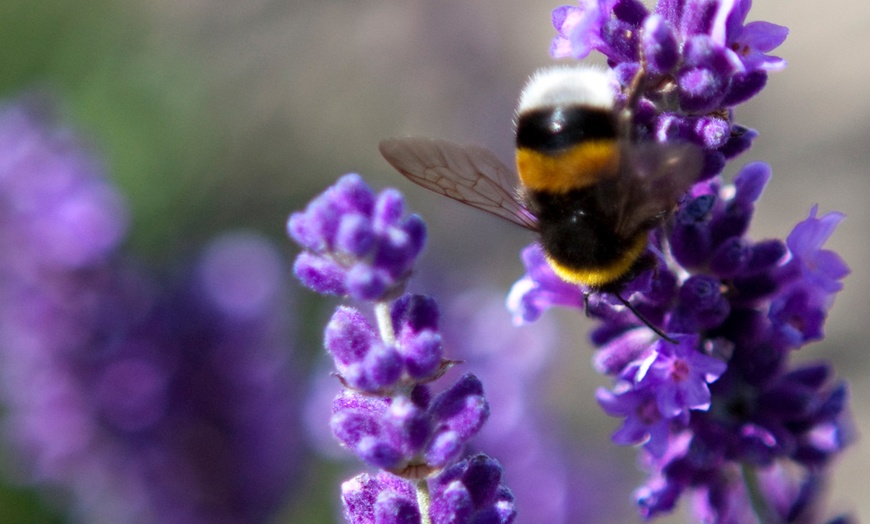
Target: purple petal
751 181
763 36
389 206
355 235
349 335
320 274
660 46
383 366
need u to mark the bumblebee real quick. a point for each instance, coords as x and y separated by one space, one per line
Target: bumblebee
587 187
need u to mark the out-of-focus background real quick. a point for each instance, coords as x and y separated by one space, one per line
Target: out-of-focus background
218 114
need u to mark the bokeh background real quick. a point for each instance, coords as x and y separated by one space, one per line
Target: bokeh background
218 114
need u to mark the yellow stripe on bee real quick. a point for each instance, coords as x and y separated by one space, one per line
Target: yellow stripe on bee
601 276
580 166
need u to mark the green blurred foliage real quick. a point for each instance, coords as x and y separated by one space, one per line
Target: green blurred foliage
18 505
133 92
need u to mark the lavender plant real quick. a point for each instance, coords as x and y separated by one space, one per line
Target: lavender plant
722 413
361 245
717 408
140 400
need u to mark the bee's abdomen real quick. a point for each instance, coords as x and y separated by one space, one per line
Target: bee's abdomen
579 240
566 157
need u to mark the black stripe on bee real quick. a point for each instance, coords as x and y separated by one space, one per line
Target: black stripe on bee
551 129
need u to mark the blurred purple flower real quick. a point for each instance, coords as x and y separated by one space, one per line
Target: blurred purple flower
57 210
147 403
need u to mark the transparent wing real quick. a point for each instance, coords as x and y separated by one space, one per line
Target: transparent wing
471 175
652 179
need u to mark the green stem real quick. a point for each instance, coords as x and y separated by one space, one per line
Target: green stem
756 497
385 323
423 501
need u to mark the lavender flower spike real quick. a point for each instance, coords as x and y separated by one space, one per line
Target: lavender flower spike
359 245
725 397
723 403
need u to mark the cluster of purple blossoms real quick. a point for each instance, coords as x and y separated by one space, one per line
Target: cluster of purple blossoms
144 402
698 60
553 478
719 411
556 475
366 363
355 244
468 491
361 245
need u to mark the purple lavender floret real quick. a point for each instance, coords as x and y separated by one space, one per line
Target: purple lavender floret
679 376
644 422
469 492
379 499
356 243
540 289
366 363
657 390
412 435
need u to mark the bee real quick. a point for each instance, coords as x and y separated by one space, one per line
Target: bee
589 189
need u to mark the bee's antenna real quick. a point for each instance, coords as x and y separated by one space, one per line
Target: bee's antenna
643 319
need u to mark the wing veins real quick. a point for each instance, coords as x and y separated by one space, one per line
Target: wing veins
467 174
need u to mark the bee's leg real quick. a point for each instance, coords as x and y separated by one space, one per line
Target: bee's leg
643 319
632 98
586 294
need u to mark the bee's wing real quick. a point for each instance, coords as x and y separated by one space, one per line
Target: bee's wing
471 175
652 178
